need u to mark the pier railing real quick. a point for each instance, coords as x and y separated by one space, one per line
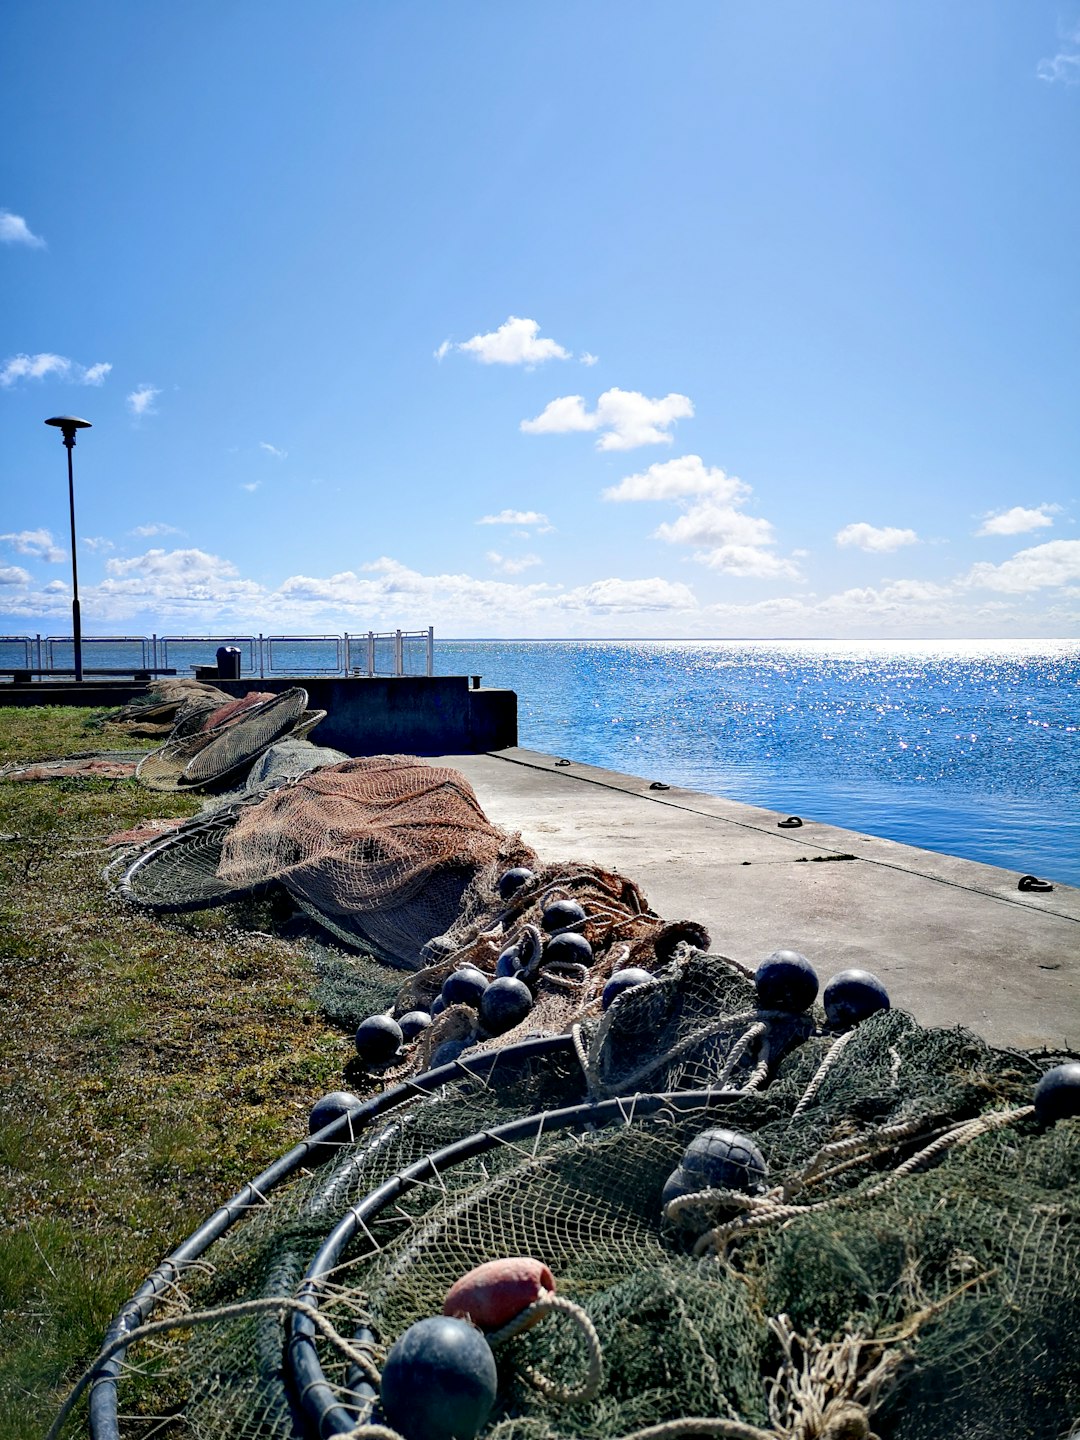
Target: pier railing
371 652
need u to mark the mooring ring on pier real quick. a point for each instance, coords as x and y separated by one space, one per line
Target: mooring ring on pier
1032 884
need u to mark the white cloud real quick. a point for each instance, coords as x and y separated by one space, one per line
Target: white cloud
511 564
730 541
97 543
1017 521
877 538
194 592
676 479
141 400
1055 563
38 543
749 562
708 524
14 575
155 527
515 342
175 582
443 350
15 231
45 365
1064 67
34 367
273 450
534 519
633 596
588 358
625 418
727 539
251 486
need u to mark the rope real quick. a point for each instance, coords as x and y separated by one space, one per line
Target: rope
764 1210
738 1050
205 1317
959 1135
823 1069
548 1304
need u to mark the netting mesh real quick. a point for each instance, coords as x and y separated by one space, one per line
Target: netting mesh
878 1278
207 744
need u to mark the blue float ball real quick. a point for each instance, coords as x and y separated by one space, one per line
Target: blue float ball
505 1003
439 1381
724 1159
447 1053
786 981
568 948
511 881
852 996
623 980
508 963
378 1039
561 913
1057 1094
464 986
438 1005
413 1023
330 1108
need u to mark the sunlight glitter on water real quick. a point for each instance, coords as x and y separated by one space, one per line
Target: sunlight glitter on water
965 747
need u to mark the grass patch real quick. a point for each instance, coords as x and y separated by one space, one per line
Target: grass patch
150 1065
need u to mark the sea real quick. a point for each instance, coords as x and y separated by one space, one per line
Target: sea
971 748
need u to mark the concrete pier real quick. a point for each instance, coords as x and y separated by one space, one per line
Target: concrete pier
955 942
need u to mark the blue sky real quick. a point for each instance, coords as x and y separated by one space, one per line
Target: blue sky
605 318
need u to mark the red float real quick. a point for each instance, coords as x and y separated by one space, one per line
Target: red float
498 1291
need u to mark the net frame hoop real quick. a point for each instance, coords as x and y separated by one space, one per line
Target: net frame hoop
314 1151
318 1403
179 839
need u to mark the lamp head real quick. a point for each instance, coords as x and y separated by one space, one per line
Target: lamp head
69 424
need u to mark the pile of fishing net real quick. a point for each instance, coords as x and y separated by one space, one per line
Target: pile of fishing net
211 737
908 1265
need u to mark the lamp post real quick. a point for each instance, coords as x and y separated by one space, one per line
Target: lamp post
69 424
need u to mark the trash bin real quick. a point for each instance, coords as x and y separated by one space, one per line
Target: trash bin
228 662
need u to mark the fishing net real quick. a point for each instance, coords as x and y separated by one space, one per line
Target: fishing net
83 764
211 744
913 1267
166 704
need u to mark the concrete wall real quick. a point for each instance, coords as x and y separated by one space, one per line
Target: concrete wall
407 714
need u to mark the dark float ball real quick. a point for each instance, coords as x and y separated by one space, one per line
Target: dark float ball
717 1159
561 913
330 1108
786 981
1057 1094
569 948
447 1053
852 996
464 986
378 1039
439 1381
438 1005
413 1023
623 980
511 881
504 1004
509 962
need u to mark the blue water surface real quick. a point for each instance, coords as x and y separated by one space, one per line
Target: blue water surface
969 748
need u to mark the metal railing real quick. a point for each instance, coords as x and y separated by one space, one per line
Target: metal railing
370 653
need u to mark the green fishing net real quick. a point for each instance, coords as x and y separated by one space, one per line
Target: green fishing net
912 1271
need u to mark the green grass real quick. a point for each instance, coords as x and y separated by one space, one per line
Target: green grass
149 1066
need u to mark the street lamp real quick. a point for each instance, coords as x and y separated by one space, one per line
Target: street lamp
69 424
